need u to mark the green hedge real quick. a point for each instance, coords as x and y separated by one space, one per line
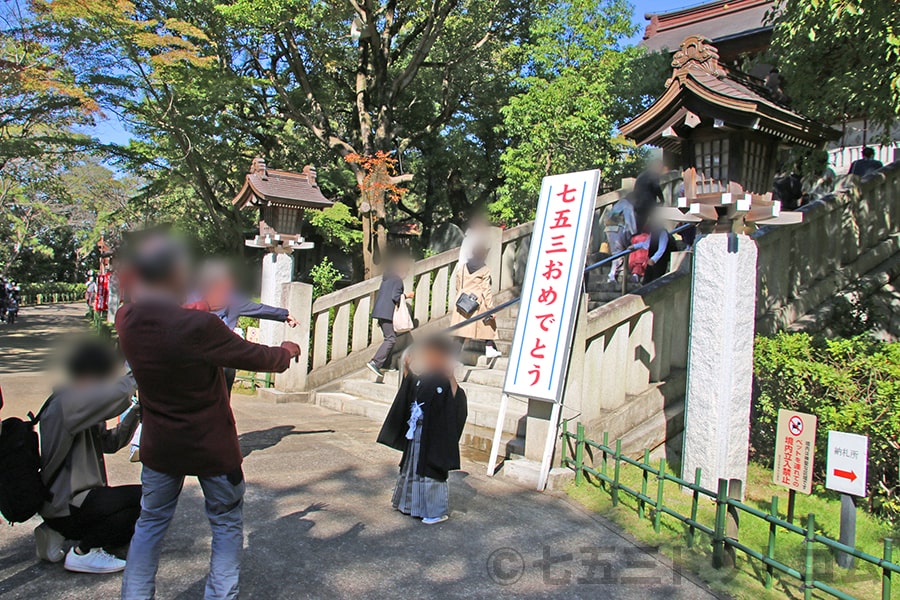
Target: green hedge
851 385
55 287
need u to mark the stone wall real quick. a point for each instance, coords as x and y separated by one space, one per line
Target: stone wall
843 237
632 378
627 377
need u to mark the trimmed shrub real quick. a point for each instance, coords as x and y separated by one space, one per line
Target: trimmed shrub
850 384
54 287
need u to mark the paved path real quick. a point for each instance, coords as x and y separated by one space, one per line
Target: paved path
319 523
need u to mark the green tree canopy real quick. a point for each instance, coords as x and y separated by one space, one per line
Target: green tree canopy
840 58
577 85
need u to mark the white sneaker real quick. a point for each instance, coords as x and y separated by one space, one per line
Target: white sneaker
95 561
434 520
48 543
491 352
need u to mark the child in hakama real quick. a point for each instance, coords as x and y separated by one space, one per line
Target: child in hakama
426 422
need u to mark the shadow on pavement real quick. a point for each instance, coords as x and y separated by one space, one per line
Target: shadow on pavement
267 438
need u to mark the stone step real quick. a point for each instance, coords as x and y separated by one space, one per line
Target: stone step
482 376
351 405
483 402
476 437
478 374
501 363
474 351
481 438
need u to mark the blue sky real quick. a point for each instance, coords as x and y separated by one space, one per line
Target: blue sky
111 130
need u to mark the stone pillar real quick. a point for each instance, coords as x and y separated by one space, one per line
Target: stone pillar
290 386
277 269
720 359
298 300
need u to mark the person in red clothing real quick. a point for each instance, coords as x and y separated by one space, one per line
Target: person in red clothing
177 356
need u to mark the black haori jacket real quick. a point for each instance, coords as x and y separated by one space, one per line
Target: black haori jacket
443 420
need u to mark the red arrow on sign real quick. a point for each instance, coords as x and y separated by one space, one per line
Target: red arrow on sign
851 475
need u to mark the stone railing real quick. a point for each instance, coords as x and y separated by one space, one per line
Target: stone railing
842 237
340 331
631 353
629 357
337 328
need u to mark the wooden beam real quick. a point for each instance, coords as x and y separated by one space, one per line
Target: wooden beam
704 211
760 213
670 213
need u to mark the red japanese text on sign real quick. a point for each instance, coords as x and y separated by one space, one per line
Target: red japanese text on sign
552 286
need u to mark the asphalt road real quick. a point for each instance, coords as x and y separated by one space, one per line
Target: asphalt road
318 521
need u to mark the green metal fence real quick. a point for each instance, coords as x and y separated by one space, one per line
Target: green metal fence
265 380
609 473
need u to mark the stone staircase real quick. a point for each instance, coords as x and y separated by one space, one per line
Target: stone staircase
362 393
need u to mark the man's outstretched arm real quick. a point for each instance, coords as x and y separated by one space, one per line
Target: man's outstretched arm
246 308
219 346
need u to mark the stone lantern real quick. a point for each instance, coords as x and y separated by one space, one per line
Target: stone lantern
281 197
725 129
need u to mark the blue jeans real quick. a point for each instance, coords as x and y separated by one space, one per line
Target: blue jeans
224 496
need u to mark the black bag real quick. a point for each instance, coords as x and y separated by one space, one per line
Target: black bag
22 492
467 303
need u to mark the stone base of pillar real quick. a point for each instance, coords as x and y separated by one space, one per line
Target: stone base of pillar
720 359
524 472
537 423
279 397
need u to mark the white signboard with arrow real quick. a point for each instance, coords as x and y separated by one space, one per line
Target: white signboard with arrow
848 459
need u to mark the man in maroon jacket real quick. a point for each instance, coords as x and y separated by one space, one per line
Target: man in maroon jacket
177 356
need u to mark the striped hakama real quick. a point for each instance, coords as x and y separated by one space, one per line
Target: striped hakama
416 495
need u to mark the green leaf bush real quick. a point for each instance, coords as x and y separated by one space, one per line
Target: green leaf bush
52 287
324 277
850 384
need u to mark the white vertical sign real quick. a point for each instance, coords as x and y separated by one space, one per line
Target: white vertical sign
552 286
848 461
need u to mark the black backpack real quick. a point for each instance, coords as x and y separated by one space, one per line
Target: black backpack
22 492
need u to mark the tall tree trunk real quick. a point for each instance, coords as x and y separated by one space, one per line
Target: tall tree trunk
375 240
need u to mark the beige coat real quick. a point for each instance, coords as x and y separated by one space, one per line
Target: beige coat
478 283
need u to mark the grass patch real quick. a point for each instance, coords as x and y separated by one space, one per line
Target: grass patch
747 580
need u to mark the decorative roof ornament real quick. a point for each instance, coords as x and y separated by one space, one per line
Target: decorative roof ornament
696 52
727 130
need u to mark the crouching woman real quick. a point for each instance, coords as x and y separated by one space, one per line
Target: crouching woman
83 507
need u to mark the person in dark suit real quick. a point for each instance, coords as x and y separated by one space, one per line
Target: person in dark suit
648 192
866 164
389 296
220 296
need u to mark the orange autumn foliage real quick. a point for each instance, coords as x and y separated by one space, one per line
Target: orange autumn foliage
379 169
